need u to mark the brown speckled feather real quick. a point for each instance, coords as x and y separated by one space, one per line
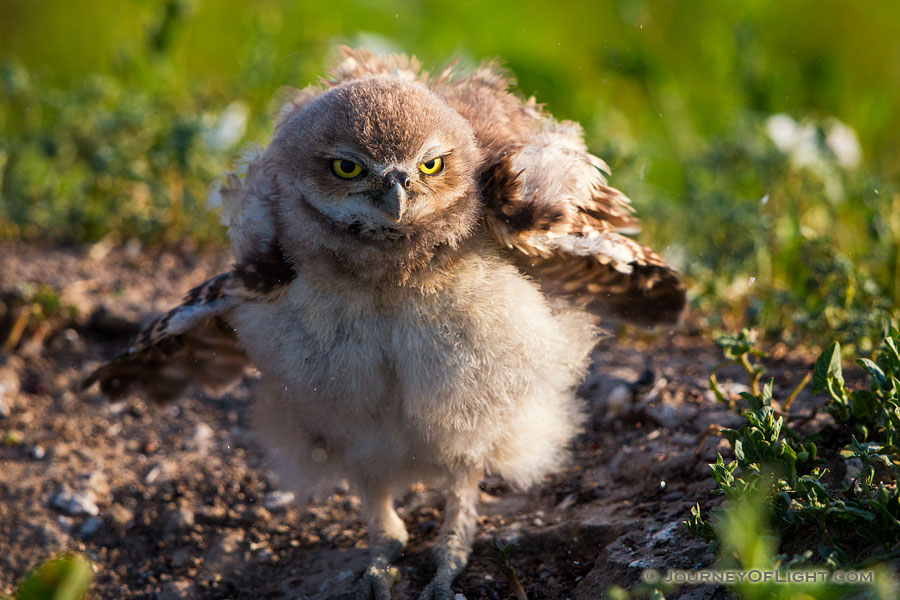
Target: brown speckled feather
193 342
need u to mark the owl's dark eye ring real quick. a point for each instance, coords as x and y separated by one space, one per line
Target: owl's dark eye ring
346 169
433 166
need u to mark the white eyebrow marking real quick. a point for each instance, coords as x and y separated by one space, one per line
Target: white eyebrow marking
432 150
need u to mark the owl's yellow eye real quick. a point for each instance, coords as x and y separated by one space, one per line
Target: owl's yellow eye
345 169
433 166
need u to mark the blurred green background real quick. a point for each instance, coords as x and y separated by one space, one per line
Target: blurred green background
759 141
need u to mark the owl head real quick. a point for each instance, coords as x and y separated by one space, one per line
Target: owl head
378 157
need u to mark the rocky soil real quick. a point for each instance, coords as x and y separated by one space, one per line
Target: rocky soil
178 501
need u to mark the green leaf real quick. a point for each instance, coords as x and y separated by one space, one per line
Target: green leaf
739 450
788 452
67 577
875 371
828 367
850 512
865 406
698 526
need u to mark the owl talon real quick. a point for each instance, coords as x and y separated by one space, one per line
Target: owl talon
376 583
438 589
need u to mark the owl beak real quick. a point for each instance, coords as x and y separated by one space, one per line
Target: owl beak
393 202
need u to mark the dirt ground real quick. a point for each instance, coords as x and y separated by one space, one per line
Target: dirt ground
178 501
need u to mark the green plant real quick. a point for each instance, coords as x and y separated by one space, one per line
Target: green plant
502 553
873 413
66 577
103 158
784 469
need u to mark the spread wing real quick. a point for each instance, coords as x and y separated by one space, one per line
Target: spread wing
191 342
545 196
547 199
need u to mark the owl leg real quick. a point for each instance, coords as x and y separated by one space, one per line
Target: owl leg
387 537
457 532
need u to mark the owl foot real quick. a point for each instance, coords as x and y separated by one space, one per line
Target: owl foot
380 575
376 582
438 589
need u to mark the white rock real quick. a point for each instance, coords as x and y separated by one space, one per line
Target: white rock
618 402
203 437
277 500
80 504
668 415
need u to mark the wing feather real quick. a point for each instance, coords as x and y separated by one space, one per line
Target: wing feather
191 342
547 198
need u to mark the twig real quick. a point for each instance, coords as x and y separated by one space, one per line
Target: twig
797 390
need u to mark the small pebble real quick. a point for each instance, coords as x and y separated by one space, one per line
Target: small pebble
265 554
121 518
178 521
152 474
566 503
228 544
214 513
203 437
619 401
277 500
257 514
90 526
80 504
38 453
175 590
